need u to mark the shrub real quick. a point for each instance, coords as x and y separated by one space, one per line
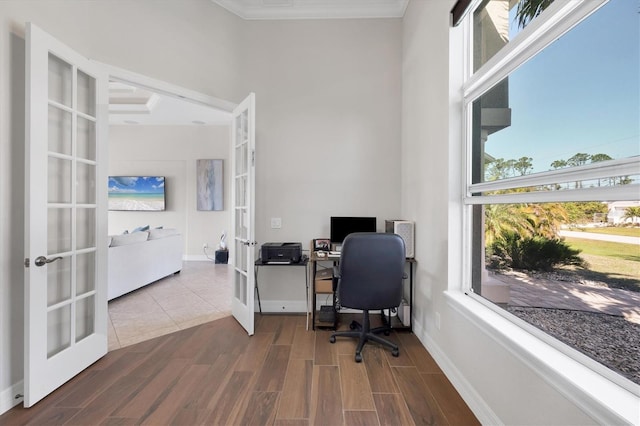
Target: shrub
531 253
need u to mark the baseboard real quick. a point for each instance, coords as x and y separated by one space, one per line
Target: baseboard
197 258
478 406
8 398
282 306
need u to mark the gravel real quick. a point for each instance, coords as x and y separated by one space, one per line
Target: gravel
608 339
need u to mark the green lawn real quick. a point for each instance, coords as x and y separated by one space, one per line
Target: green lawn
616 264
613 230
629 252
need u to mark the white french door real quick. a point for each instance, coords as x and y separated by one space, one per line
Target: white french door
243 212
66 216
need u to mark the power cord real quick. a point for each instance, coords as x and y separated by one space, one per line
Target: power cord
204 249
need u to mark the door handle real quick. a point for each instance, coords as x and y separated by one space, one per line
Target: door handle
42 260
249 243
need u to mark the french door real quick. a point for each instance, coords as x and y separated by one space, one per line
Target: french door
66 216
243 212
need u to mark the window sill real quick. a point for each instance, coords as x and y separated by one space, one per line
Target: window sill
605 401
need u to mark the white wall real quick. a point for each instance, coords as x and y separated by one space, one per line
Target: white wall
328 121
499 385
172 151
334 98
189 43
328 130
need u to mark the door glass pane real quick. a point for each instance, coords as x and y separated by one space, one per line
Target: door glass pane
85 227
241 225
86 94
86 183
59 182
241 191
240 260
245 125
240 290
241 129
58 230
59 131
86 139
60 81
241 159
85 314
58 281
58 330
85 273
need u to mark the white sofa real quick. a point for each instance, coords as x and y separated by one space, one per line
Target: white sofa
142 257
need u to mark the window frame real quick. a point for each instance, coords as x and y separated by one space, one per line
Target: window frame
559 18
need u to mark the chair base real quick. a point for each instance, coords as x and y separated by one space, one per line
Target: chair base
364 333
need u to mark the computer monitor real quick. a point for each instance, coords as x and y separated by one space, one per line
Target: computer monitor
343 226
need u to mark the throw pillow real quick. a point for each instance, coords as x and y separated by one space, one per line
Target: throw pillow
124 239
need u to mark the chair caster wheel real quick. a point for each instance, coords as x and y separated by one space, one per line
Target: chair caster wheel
387 332
358 357
353 325
395 353
332 339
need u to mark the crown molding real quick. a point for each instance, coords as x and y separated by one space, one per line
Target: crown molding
314 9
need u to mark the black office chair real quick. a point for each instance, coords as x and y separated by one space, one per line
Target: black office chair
370 277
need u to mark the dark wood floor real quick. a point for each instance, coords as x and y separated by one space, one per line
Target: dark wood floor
214 374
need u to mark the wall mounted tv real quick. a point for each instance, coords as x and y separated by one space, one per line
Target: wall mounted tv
136 193
343 226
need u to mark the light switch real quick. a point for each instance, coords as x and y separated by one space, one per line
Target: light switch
276 223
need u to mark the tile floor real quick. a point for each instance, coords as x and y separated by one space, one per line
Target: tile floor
198 294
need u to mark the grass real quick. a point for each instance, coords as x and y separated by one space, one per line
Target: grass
613 230
615 264
630 252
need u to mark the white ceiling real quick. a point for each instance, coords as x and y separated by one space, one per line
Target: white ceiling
315 9
130 105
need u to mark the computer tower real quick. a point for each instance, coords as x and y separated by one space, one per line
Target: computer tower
405 229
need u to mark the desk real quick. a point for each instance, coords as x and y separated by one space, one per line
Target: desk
314 259
303 262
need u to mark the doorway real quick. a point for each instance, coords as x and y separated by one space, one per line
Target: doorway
158 130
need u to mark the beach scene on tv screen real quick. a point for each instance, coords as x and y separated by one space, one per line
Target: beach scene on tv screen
136 193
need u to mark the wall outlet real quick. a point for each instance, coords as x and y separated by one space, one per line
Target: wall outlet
438 320
276 223
205 246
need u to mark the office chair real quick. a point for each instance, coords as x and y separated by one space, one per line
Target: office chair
370 277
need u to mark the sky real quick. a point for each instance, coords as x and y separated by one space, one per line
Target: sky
132 184
580 94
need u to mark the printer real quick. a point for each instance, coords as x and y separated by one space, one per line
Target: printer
281 252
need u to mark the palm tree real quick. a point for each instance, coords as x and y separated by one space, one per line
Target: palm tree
632 213
529 9
546 218
501 219
526 220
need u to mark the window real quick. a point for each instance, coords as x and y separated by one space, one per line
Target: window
552 102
